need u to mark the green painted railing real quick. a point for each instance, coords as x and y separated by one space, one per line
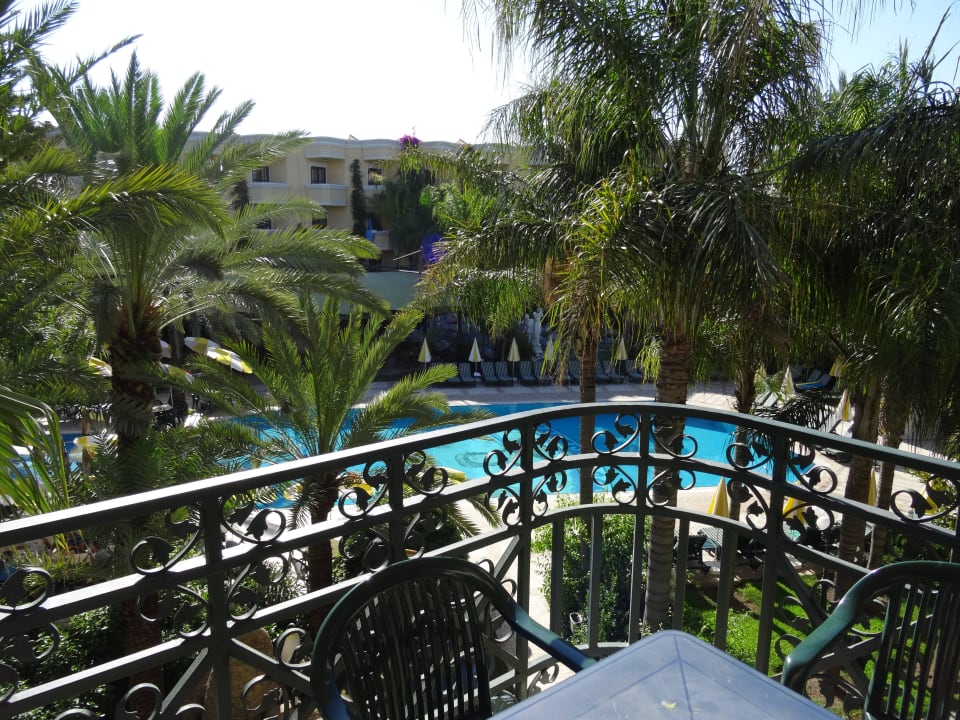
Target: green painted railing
222 578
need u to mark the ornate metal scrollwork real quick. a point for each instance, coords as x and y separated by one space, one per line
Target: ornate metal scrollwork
293 648
498 462
265 698
148 699
254 524
616 481
370 548
153 555
187 608
27 648
626 431
243 596
25 589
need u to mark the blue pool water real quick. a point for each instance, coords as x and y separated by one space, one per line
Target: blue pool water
712 439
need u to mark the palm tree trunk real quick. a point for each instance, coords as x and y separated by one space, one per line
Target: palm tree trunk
894 422
672 383
866 422
322 493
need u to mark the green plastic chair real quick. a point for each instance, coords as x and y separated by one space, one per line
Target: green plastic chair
411 641
917 660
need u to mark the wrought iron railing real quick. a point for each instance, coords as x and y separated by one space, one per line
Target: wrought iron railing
216 569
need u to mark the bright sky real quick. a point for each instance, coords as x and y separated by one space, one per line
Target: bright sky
370 68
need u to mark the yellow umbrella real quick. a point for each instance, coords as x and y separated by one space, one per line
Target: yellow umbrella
474 356
514 354
720 502
88 443
872 489
425 355
791 508
846 409
213 351
787 389
621 354
100 365
837 368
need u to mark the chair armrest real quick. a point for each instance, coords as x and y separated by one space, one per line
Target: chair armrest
549 641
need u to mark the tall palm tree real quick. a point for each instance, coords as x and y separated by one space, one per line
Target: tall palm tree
136 281
675 106
882 173
313 390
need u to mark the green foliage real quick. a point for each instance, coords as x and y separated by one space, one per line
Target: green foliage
616 580
85 640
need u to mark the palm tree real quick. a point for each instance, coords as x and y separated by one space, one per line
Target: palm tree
882 174
136 281
676 108
312 393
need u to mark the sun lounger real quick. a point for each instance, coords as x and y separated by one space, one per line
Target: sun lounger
824 382
611 370
602 376
503 373
466 375
635 374
488 374
525 373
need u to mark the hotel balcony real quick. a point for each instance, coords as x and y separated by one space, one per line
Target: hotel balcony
218 565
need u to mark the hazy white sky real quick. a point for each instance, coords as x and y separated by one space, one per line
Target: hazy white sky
370 68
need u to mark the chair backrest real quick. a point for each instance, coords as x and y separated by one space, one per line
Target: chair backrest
410 642
917 657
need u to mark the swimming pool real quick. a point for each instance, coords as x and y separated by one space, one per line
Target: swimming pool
712 439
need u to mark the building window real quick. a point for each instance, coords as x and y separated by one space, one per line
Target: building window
320 222
261 174
374 176
318 175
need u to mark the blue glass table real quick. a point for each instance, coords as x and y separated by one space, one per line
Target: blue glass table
672 675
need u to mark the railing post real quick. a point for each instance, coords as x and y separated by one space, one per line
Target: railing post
781 446
219 609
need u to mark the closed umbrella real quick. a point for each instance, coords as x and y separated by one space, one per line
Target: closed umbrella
787 389
514 355
425 356
872 489
621 354
474 356
720 502
837 368
846 409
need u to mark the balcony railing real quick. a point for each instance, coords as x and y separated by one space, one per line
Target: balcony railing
214 568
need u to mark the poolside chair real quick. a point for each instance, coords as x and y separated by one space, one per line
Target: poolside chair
824 382
525 373
466 374
694 552
635 374
417 639
488 374
915 658
503 373
610 369
601 373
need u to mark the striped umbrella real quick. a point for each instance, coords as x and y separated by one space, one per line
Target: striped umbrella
514 354
621 354
474 356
